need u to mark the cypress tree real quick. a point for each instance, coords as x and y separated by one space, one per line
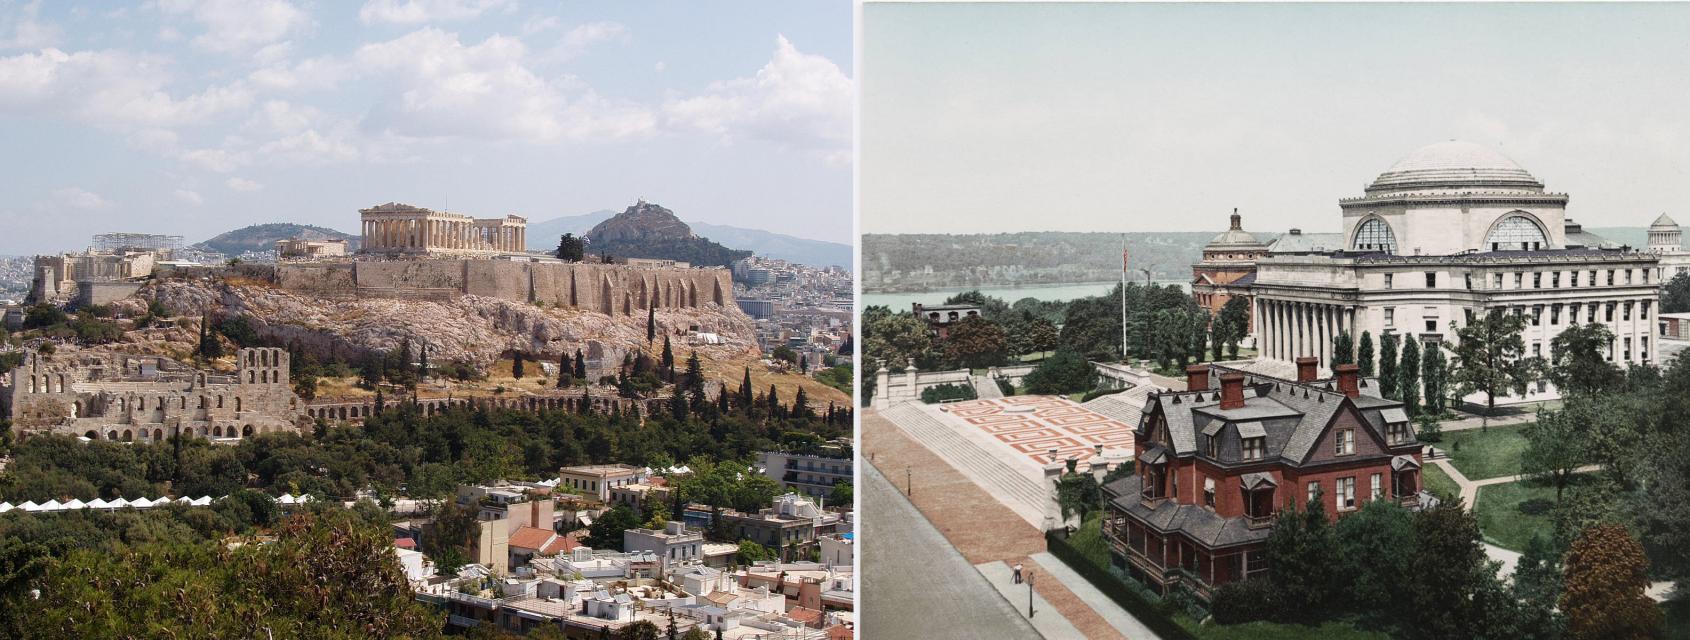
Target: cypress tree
1432 376
745 390
668 359
722 399
651 325
580 365
1388 366
1408 383
516 366
774 401
1364 354
1343 349
563 371
800 405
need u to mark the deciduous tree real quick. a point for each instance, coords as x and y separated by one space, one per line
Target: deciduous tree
1603 597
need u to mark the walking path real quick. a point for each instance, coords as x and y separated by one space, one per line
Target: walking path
1117 617
986 388
1014 487
972 520
1046 619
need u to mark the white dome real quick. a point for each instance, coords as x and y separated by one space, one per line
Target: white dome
1455 164
1664 222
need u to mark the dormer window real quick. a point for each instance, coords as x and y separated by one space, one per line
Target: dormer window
1398 433
1344 442
1214 447
1254 448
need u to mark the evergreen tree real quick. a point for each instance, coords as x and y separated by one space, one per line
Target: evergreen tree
586 401
801 405
381 404
1537 584
804 364
570 248
422 366
651 325
1432 379
563 371
722 399
745 390
1300 549
1408 376
774 401
1388 366
1364 354
678 406
668 361
516 366
1343 349
580 365
210 347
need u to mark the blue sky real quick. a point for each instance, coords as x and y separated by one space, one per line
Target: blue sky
1152 117
195 117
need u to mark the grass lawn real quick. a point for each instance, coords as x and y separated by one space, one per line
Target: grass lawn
1485 454
1089 540
1510 514
1439 483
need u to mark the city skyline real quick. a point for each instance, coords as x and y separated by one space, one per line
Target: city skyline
195 118
1165 118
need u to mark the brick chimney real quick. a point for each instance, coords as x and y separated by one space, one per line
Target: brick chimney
1196 377
1306 367
1348 376
1232 390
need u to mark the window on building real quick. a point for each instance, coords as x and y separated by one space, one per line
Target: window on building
1519 280
1209 492
1468 313
1389 278
1628 276
1496 281
1643 311
1537 349
1431 280
1343 442
1212 447
1346 494
1610 277
1628 348
1645 276
1575 280
1537 314
1375 235
1314 491
1397 432
1467 278
1537 279
1555 280
1254 448
1373 488
1555 314
1610 314
1592 278
1625 312
1516 233
1431 326
1390 316
1643 349
1590 312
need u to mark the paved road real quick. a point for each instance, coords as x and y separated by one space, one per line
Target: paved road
915 585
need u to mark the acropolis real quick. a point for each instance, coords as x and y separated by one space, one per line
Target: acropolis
395 228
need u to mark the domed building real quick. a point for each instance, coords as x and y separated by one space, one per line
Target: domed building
1228 267
1450 231
1666 241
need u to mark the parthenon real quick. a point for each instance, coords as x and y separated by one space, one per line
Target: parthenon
402 228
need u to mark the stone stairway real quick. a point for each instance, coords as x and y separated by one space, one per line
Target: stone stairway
987 388
1018 490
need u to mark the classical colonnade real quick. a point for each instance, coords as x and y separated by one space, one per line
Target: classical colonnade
1291 329
424 233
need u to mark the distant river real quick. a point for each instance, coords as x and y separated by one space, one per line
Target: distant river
1047 293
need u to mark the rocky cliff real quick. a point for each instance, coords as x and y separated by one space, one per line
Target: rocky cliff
469 328
647 230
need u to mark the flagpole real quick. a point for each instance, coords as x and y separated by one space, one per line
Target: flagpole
1123 298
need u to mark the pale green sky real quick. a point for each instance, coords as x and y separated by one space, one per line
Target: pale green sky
1147 117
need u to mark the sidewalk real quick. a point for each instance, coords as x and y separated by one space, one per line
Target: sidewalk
1046 619
1117 617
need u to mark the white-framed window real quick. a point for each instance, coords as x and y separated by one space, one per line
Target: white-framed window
1254 448
1314 491
1345 495
1374 490
1390 316
1209 492
1344 442
1389 278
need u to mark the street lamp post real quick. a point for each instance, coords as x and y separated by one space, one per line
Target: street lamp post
909 486
1029 579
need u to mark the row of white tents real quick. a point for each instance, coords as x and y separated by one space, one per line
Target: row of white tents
121 503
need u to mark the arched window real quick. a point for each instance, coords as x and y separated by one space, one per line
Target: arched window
1374 235
1516 233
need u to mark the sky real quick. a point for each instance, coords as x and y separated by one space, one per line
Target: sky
195 117
1155 117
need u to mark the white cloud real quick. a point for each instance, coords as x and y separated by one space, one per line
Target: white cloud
440 87
660 66
583 37
797 100
322 72
110 89
310 147
239 25
25 30
215 160
421 11
189 197
242 184
78 198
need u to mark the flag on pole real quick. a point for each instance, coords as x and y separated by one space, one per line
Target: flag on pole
1123 255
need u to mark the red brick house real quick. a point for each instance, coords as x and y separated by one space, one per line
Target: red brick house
1215 463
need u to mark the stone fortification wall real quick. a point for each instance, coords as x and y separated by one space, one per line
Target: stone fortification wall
605 288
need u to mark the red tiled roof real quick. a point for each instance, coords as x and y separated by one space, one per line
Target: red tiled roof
839 632
563 544
809 617
405 543
531 537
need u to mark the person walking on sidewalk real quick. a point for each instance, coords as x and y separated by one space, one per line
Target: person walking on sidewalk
1017 573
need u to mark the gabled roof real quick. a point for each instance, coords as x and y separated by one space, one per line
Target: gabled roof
531 537
1292 416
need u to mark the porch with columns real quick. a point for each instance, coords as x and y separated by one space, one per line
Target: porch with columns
1290 329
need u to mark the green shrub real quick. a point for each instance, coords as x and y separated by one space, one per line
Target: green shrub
944 392
1098 393
1243 601
1005 386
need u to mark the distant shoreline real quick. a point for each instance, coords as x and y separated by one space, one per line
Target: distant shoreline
1037 285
